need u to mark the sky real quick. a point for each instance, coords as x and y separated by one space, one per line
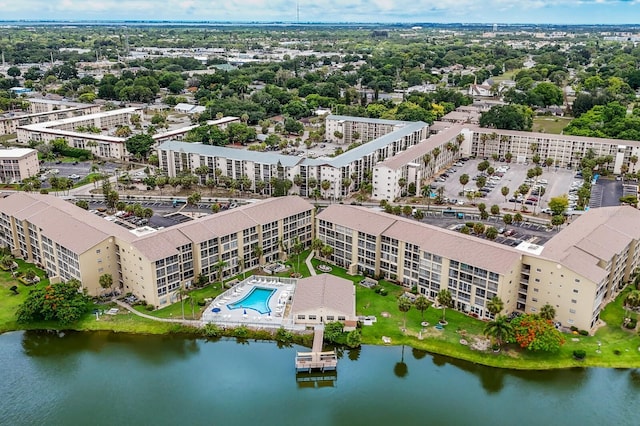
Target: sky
387 11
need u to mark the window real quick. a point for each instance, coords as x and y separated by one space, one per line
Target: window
574 301
575 290
312 317
572 311
301 317
341 318
534 299
535 290
330 317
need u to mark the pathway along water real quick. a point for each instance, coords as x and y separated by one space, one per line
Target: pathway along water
117 379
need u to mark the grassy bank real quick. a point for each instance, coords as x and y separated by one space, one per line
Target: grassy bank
612 346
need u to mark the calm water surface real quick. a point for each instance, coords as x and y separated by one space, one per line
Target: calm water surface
118 379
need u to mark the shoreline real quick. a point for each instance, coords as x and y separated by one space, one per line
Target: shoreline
488 359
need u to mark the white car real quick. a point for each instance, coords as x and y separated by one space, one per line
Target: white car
75 176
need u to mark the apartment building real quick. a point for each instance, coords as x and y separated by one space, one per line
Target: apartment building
69 242
101 145
342 174
42 111
414 165
564 150
578 271
17 164
366 129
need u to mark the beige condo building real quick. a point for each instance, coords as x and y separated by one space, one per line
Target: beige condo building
577 272
69 242
17 164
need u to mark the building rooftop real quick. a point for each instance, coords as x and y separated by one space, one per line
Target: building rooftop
372 146
231 153
598 235
366 120
324 291
450 244
424 147
72 227
15 152
551 136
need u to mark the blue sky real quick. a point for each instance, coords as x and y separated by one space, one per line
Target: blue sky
489 11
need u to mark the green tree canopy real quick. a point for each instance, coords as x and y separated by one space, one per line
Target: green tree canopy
61 302
139 145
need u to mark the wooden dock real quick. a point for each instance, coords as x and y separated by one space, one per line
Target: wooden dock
316 359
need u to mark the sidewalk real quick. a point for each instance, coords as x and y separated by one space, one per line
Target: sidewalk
192 323
312 271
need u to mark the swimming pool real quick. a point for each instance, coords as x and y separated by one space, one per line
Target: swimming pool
257 299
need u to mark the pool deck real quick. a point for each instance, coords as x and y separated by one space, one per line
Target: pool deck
218 311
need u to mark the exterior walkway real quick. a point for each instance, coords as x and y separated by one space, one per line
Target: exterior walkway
192 323
312 271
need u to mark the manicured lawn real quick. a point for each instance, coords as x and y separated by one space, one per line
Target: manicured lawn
9 301
553 125
175 310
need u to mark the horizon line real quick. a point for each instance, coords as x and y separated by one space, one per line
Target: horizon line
300 23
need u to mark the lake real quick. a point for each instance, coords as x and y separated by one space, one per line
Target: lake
101 378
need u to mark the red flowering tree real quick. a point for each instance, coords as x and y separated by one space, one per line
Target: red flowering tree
536 334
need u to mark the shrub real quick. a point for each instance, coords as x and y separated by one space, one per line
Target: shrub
383 292
583 332
631 323
617 352
241 331
283 336
149 307
211 330
573 328
579 354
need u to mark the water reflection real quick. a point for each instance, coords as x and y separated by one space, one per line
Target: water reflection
634 378
54 345
354 354
418 353
401 369
317 379
493 379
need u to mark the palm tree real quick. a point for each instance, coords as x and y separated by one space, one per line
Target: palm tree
404 305
495 305
464 180
316 245
257 252
421 303
326 251
504 191
500 329
181 292
445 300
219 267
435 152
548 312
296 249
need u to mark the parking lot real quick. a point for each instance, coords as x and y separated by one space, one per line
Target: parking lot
74 170
555 181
